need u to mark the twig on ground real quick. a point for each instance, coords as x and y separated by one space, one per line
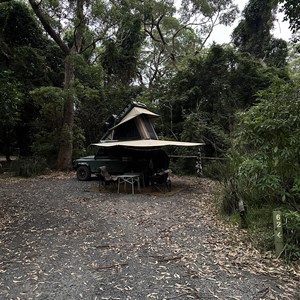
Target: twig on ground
98 268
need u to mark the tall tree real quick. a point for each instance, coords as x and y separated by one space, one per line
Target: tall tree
73 13
30 59
210 90
291 9
121 55
253 33
173 34
206 15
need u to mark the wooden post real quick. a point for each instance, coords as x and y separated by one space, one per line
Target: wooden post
278 234
243 212
199 168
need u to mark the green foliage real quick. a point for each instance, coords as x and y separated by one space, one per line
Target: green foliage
185 163
89 75
268 140
193 127
183 166
120 57
32 61
55 63
29 167
18 27
91 111
291 235
277 53
215 169
294 62
291 9
10 102
260 222
253 33
49 102
30 67
10 99
263 169
223 11
202 99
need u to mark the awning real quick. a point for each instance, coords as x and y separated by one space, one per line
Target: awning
136 111
146 143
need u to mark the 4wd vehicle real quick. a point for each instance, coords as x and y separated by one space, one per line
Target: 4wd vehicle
120 160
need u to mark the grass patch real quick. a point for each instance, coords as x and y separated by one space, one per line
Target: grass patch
260 222
260 229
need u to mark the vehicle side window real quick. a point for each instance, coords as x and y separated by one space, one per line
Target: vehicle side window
101 152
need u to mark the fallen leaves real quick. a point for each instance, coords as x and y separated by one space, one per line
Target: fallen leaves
59 242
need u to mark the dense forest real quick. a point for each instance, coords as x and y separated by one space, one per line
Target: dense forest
65 66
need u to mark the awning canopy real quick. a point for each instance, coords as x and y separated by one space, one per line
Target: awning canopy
135 111
145 143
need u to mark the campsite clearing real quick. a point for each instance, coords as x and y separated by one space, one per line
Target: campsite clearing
63 239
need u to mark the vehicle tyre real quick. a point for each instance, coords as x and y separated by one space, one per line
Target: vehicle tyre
83 173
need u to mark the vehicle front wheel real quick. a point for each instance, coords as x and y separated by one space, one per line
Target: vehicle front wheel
83 173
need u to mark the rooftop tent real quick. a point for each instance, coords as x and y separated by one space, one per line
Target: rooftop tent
136 112
133 128
132 124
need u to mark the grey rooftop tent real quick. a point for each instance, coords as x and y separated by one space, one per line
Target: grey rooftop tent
133 128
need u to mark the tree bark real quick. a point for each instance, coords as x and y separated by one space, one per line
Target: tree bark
64 159
7 144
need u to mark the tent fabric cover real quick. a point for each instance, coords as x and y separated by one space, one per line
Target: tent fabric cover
145 143
135 111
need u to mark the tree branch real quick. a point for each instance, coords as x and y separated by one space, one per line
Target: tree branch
79 29
159 30
36 8
214 23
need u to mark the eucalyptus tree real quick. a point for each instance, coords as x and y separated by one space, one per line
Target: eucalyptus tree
68 24
253 33
206 15
100 32
178 32
122 50
159 61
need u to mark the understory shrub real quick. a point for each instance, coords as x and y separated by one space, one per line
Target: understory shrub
215 169
291 228
184 166
28 167
264 161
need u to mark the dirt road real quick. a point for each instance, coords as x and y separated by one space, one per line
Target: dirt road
63 239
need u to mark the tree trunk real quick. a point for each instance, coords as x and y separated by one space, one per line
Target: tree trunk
7 144
64 159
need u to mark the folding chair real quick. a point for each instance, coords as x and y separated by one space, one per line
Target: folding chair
161 180
105 178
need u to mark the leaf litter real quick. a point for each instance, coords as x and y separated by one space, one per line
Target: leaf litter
60 242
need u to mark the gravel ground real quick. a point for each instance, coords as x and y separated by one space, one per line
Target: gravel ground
63 239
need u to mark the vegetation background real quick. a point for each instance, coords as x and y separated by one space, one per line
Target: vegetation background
65 66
